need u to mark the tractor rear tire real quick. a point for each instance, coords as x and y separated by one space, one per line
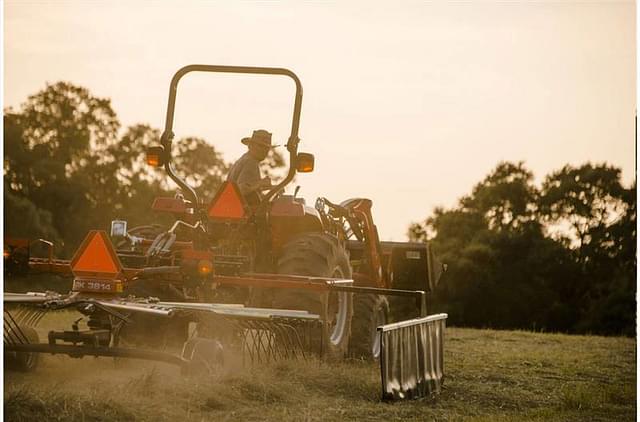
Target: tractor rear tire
371 311
24 361
319 255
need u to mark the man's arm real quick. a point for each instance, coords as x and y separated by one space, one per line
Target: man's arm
249 180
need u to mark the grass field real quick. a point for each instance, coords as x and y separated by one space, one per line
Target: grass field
490 376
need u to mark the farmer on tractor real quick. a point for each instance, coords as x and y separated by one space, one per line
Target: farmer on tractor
246 171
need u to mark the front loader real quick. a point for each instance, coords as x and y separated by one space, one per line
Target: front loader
277 277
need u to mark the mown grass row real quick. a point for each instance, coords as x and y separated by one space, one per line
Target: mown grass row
490 376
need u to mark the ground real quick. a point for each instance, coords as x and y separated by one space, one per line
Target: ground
490 376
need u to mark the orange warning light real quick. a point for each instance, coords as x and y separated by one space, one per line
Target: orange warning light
155 156
304 162
153 160
205 267
228 203
96 257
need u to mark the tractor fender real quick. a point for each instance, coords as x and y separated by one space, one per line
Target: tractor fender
290 217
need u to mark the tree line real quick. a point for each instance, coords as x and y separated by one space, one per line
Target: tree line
559 257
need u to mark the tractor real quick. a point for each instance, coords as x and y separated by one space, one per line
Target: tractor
281 275
279 235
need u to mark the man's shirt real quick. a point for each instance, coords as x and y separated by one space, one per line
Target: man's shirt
245 173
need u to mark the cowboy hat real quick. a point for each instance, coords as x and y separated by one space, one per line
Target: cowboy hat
259 137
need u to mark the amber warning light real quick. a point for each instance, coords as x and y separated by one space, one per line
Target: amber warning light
228 204
304 162
205 267
155 156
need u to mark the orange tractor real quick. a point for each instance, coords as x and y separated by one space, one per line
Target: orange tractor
279 255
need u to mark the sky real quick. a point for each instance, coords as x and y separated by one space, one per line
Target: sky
408 103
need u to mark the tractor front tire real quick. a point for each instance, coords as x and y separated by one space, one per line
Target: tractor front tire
319 255
371 311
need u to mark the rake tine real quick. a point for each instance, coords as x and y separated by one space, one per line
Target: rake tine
251 348
13 336
6 333
277 340
256 341
10 322
239 328
271 336
32 318
298 341
267 335
264 341
27 316
19 314
293 341
261 345
296 344
283 341
15 329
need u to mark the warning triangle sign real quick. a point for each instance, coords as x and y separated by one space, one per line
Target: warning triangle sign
228 203
96 257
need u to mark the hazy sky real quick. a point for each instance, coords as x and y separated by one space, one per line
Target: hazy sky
409 104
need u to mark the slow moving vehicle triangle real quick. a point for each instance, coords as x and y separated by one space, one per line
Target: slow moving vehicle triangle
228 203
96 257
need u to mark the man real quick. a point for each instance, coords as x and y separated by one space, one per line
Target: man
246 171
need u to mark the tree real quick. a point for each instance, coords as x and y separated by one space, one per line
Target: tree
200 165
595 216
581 203
32 223
58 133
60 127
495 251
506 271
272 166
417 233
506 197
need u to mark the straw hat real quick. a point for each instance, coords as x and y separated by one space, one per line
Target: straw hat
259 137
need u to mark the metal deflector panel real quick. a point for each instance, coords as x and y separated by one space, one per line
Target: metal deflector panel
412 358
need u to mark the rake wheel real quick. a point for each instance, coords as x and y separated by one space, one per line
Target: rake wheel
24 361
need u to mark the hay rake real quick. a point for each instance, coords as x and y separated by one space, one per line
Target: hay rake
262 335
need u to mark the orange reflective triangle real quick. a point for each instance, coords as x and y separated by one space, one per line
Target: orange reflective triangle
96 257
228 203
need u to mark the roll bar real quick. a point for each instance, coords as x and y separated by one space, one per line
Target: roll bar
292 144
